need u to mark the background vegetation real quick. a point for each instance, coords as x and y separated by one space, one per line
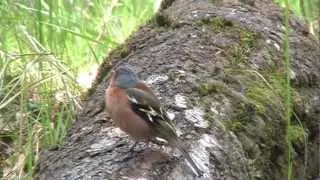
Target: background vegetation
49 52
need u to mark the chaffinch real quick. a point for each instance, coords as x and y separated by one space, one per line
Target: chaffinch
137 111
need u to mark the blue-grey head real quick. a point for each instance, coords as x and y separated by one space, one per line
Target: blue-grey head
124 77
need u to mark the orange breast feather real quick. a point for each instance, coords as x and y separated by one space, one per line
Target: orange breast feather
116 99
120 112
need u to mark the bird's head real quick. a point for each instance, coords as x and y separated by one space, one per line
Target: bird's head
124 77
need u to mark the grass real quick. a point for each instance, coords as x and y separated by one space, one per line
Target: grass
288 94
306 10
45 48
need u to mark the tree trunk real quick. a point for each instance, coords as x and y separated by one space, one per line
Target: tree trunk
219 67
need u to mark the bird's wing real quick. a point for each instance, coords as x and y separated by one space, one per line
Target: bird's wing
148 107
143 87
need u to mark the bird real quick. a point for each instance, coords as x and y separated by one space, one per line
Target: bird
135 108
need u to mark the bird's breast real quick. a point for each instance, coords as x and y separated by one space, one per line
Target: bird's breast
119 109
116 99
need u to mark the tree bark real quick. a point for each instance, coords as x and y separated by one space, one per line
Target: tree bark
219 68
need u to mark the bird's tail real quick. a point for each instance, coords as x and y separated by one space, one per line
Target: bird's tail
186 155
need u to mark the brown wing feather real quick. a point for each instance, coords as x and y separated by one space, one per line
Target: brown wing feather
146 89
149 109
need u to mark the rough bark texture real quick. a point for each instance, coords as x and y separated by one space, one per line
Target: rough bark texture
218 66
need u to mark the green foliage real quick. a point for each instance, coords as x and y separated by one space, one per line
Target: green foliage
242 117
308 10
262 96
211 87
44 44
68 28
240 53
217 23
297 134
288 93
